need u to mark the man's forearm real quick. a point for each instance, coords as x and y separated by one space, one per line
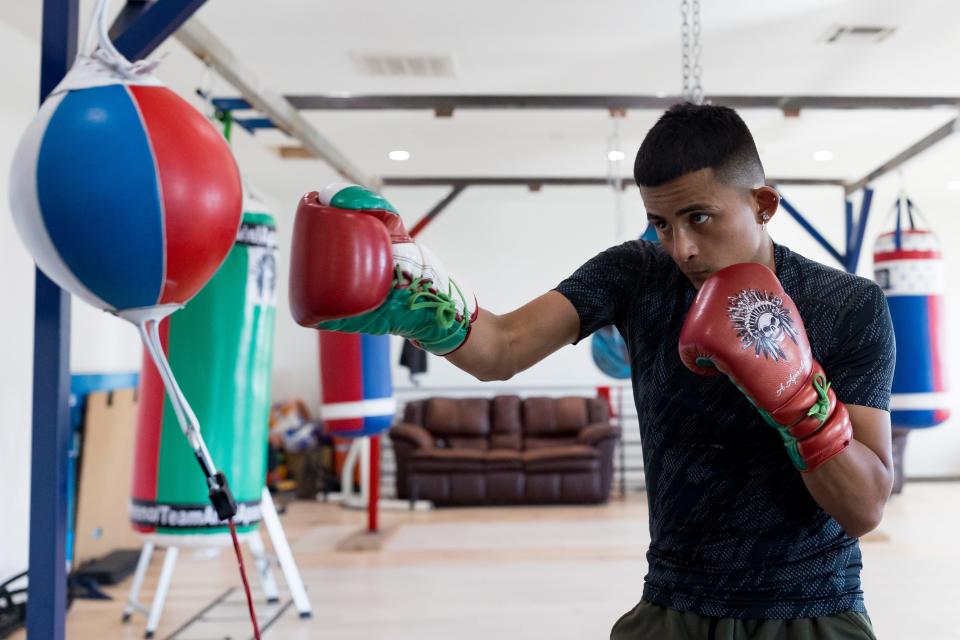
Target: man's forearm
853 487
500 346
485 354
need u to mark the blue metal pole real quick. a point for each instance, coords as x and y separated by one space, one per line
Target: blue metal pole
250 124
809 228
854 258
47 591
230 104
848 232
143 25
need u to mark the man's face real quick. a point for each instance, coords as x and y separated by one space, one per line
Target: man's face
704 224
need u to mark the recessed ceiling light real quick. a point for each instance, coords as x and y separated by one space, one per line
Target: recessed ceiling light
615 155
954 185
823 156
399 155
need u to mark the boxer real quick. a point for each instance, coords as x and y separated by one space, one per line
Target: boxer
761 476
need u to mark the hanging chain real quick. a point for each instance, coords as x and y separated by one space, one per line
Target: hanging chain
615 158
697 88
685 46
690 50
205 91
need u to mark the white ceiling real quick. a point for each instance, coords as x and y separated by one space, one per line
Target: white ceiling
582 47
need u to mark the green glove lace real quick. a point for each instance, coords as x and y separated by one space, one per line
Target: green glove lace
423 298
822 405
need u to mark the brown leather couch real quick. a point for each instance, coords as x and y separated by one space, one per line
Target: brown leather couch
505 450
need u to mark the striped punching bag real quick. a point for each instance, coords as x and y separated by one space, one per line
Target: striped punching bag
104 191
357 387
909 268
221 347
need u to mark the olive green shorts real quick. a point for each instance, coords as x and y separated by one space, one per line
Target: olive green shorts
648 621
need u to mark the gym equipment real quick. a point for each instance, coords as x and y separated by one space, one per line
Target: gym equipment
610 352
221 344
357 387
744 325
354 268
358 403
909 268
105 193
129 199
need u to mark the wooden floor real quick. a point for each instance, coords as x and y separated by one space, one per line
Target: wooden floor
528 573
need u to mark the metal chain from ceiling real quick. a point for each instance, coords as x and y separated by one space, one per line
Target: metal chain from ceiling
615 158
690 45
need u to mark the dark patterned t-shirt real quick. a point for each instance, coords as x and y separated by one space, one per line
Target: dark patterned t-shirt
734 531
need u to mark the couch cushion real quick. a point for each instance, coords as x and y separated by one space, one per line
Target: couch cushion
447 460
598 409
532 444
570 458
459 423
546 417
504 460
413 412
477 444
457 416
414 434
506 430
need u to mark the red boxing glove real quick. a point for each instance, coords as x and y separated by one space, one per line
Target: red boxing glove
354 268
341 263
743 324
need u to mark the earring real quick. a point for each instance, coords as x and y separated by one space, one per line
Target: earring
763 225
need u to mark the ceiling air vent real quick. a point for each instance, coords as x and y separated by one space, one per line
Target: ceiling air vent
405 66
857 34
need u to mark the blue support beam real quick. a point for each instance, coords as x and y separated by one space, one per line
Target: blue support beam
809 228
854 230
144 24
848 225
856 242
252 124
230 104
50 439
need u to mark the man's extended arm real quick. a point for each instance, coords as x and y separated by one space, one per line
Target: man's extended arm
354 268
501 346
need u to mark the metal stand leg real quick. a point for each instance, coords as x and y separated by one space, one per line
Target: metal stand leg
364 471
133 598
267 581
285 557
373 493
346 474
166 574
360 454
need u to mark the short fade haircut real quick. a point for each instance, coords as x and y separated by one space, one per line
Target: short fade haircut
690 137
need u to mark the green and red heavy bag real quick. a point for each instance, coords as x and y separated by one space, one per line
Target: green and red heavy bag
220 347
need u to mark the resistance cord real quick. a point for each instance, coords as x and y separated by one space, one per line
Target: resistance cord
243 577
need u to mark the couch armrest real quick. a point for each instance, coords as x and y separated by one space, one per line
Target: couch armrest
594 434
416 435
